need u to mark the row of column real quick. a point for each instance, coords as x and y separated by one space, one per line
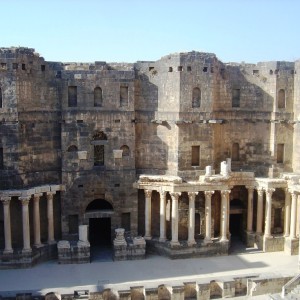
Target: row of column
25 221
290 214
290 218
191 225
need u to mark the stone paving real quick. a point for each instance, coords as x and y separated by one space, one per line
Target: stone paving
151 272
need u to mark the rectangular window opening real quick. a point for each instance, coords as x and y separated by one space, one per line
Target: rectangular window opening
189 68
43 68
180 68
72 96
280 153
15 66
236 95
123 96
98 155
23 67
195 156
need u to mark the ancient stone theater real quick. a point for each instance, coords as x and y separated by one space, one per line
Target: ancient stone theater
186 155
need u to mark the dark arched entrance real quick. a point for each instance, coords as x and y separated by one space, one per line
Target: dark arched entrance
99 212
236 226
236 218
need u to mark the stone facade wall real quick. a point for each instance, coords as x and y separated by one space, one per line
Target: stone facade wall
156 113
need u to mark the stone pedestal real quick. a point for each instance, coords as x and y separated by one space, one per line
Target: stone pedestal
291 246
83 235
250 239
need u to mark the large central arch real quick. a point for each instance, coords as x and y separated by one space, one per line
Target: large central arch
98 213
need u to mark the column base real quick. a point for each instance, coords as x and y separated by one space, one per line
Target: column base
291 246
174 243
223 240
8 251
38 245
250 238
191 243
162 240
51 242
207 241
24 251
147 237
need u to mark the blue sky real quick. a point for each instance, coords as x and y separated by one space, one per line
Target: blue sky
131 30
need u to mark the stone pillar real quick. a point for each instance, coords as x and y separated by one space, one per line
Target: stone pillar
7 225
250 210
50 217
36 220
293 215
191 231
224 215
175 197
148 194
260 205
25 220
208 195
287 213
162 211
268 217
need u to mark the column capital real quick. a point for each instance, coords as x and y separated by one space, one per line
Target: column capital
260 191
5 200
162 192
269 191
148 193
225 192
208 193
25 200
37 196
249 188
293 193
192 195
50 194
175 195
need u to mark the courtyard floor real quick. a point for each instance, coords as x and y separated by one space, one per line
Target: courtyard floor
151 272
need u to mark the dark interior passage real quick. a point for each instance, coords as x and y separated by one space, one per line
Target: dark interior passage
99 231
235 225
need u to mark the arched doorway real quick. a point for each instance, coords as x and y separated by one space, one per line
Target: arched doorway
99 212
236 226
236 218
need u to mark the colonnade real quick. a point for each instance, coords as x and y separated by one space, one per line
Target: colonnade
25 200
290 214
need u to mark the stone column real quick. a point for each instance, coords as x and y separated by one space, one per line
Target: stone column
7 225
224 215
293 215
260 205
162 211
25 220
250 210
148 194
268 217
36 220
208 195
175 197
287 213
191 231
50 217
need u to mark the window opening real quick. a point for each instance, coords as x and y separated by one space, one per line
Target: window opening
123 96
97 97
195 156
196 97
236 95
235 152
125 149
280 153
281 98
72 96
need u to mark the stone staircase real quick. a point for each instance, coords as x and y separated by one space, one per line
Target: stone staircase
291 290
